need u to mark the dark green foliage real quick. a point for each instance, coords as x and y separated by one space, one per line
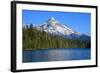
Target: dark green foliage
34 39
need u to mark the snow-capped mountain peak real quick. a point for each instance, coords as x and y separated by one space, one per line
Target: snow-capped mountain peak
53 26
52 21
52 18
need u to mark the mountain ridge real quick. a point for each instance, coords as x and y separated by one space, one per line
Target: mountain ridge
52 26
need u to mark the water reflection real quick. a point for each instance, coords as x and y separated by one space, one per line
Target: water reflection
56 55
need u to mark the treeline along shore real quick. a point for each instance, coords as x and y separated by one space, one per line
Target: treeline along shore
34 39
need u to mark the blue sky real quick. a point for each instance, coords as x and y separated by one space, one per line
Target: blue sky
79 22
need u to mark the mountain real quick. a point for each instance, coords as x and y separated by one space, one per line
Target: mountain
52 26
53 34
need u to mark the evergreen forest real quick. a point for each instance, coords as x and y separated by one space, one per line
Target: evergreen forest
34 39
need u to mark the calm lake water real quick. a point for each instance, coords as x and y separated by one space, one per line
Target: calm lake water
57 55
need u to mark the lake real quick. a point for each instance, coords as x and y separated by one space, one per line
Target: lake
56 55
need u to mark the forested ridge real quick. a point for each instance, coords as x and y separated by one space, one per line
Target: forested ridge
34 39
